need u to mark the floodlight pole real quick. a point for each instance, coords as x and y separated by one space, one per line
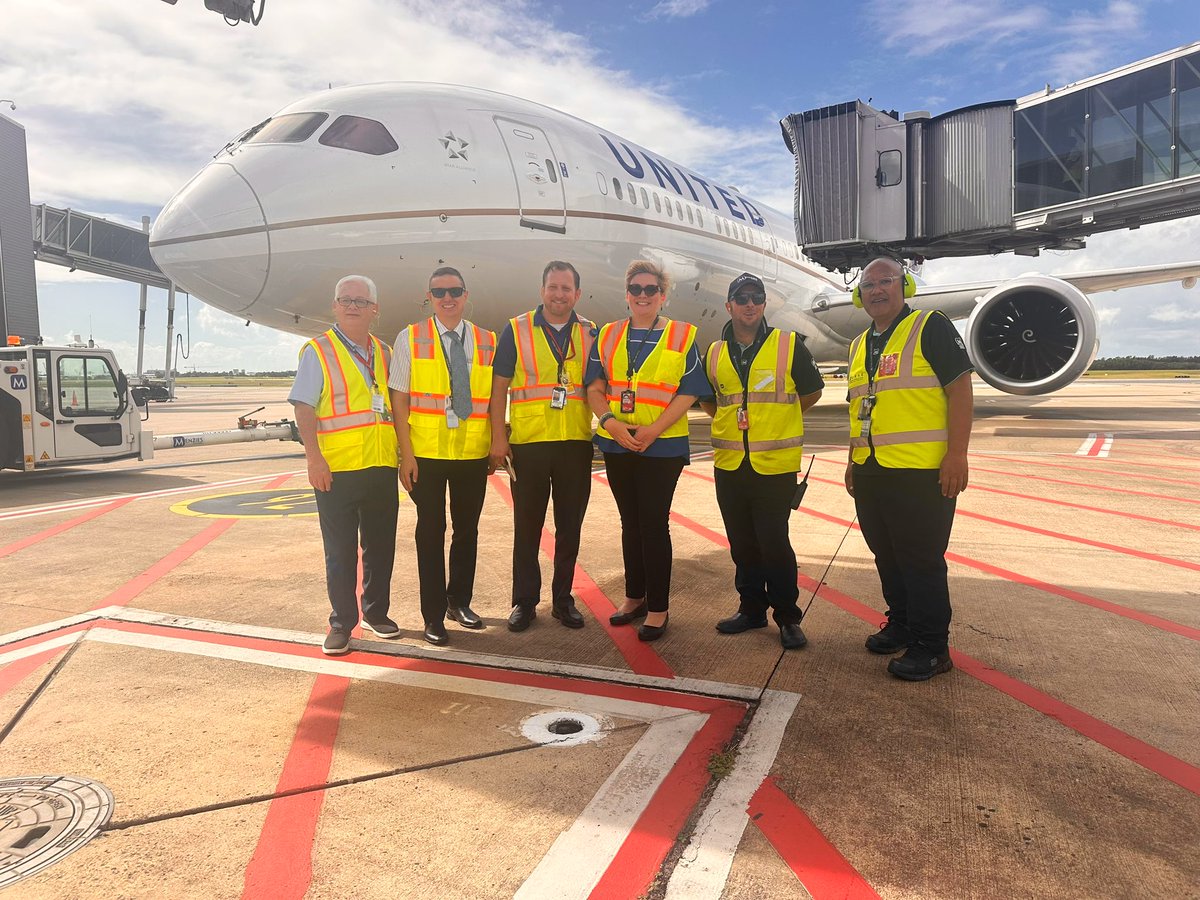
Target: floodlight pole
170 339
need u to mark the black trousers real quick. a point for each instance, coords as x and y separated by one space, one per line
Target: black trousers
756 509
906 522
643 487
361 508
564 469
467 481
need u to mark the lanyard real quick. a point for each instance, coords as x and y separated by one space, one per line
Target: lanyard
631 355
369 362
562 352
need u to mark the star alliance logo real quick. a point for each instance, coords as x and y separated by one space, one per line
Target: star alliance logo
456 147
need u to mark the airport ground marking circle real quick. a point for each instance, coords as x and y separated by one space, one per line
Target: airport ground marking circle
44 818
562 728
273 504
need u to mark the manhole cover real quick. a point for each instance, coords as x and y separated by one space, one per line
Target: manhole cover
562 728
251 504
46 817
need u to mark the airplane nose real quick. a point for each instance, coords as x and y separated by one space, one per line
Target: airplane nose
211 239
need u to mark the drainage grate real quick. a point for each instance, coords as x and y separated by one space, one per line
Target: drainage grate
561 728
46 817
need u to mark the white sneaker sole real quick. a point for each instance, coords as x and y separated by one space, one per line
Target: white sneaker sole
387 636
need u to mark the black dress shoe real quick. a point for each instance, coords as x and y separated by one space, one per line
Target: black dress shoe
566 613
464 616
435 633
620 618
792 636
740 622
649 633
521 617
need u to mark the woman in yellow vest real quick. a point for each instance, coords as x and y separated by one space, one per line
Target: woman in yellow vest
643 375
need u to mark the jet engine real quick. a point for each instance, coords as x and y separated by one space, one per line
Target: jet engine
1033 335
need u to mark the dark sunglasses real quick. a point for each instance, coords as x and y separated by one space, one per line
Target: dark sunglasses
454 292
743 299
636 290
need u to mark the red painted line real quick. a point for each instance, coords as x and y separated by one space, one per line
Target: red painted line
281 866
1098 509
59 529
641 855
16 672
642 658
823 871
1161 763
42 638
1106 471
1096 445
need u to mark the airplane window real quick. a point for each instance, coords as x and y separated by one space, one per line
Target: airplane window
700 218
617 189
657 204
289 129
602 183
359 134
679 210
667 203
691 220
632 194
553 170
645 199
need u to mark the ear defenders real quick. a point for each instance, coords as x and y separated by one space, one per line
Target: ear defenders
910 289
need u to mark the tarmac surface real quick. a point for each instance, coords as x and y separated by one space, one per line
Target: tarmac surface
160 630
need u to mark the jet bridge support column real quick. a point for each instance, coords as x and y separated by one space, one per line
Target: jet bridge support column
167 369
142 309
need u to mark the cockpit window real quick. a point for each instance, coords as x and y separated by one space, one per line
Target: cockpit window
290 129
359 134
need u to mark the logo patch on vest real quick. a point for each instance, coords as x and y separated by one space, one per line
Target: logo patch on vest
888 363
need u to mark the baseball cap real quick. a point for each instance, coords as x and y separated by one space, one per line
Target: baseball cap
741 281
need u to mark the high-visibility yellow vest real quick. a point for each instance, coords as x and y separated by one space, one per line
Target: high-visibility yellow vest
429 394
909 424
775 437
536 376
349 434
656 382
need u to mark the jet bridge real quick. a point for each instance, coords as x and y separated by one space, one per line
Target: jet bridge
1115 151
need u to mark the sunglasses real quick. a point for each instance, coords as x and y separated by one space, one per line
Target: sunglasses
356 302
743 299
636 290
454 292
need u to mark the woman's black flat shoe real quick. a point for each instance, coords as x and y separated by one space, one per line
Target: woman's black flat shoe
653 632
638 612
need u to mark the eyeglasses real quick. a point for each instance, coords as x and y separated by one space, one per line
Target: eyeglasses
356 302
454 292
636 290
886 282
743 299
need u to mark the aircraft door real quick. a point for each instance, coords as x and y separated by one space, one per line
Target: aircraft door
538 174
770 252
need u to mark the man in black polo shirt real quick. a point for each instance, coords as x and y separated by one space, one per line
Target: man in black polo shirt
911 407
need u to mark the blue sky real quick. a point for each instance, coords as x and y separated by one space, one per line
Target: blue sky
123 101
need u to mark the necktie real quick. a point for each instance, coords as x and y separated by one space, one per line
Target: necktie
460 378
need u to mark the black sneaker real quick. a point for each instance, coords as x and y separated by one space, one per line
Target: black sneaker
336 643
920 664
890 638
384 628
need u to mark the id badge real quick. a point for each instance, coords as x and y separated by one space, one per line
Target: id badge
743 419
377 404
628 401
451 417
558 398
865 408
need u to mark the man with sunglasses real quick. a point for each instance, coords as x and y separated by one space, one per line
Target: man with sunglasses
344 416
441 384
911 407
539 368
763 380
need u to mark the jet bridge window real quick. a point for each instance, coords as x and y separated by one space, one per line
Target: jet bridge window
1131 131
290 129
360 135
1187 82
86 387
1049 159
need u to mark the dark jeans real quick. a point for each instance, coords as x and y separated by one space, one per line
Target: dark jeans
906 522
360 507
756 509
643 487
564 469
467 480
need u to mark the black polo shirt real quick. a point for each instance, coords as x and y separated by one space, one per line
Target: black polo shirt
804 369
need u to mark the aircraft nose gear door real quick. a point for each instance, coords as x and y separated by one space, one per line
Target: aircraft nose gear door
538 173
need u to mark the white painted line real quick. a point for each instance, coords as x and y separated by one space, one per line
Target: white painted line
542 667
1096 444
580 855
71 505
704 867
46 627
62 640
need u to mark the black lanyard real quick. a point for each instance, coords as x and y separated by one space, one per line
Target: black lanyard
369 362
562 352
630 356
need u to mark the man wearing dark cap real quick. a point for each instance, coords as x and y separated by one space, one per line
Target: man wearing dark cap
762 380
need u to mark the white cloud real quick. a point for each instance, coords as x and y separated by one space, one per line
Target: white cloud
678 9
1174 312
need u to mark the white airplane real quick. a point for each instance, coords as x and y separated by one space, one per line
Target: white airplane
394 180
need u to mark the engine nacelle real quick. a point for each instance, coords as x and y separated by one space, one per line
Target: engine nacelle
1033 335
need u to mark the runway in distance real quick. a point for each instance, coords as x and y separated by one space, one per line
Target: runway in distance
392 180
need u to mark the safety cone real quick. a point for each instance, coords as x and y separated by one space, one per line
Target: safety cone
74 399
